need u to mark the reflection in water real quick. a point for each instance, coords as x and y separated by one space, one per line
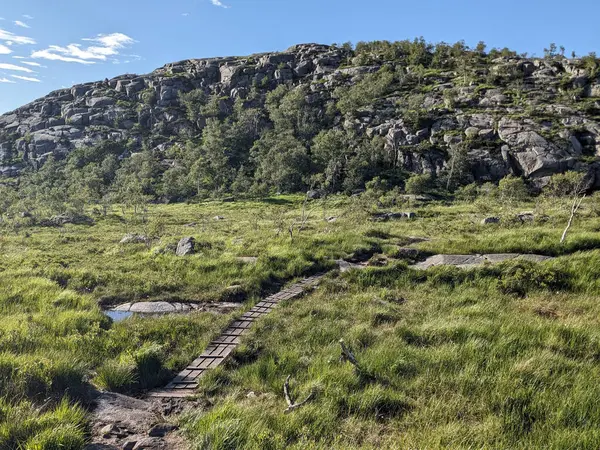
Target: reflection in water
118 316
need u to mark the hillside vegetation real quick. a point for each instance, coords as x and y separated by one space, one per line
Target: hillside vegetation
327 118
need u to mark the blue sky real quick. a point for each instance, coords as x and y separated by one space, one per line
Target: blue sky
49 44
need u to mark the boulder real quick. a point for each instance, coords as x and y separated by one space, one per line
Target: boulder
161 429
408 253
315 194
186 246
134 239
526 216
491 219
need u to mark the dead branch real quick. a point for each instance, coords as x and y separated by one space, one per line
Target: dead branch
574 209
347 355
288 398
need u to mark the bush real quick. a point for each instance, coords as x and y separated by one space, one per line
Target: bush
467 193
565 184
419 184
512 189
520 277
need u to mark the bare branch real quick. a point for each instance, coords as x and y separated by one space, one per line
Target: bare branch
574 208
347 355
288 398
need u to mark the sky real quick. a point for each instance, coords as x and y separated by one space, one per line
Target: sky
51 44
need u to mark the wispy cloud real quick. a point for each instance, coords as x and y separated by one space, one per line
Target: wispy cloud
34 80
6 66
6 80
4 50
21 24
32 64
9 37
218 3
185 14
107 45
27 16
19 57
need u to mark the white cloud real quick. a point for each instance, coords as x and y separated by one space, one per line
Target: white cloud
31 63
21 24
27 16
6 80
35 80
47 54
218 3
11 38
5 66
4 50
107 45
185 14
19 57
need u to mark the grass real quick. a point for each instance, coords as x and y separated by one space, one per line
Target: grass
500 357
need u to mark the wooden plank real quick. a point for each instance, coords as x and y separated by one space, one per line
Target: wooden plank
184 384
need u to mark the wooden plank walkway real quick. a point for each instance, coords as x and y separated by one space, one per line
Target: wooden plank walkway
217 352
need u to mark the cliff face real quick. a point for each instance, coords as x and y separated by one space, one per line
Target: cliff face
544 120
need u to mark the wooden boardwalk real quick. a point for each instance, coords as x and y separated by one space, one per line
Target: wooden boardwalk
186 382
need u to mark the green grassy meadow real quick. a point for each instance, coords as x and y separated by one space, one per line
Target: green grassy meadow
505 356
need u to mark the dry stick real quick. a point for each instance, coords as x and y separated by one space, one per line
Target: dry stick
291 405
347 355
574 208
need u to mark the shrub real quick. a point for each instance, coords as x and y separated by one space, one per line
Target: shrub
419 184
512 189
564 184
520 277
467 193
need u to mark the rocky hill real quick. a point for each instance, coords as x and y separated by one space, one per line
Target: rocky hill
493 114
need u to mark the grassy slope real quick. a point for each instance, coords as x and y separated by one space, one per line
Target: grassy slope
463 362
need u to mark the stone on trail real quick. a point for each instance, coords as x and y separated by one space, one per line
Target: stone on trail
186 246
161 429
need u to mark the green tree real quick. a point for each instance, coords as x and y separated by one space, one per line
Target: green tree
282 162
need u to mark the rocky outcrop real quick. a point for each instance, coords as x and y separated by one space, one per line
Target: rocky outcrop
526 130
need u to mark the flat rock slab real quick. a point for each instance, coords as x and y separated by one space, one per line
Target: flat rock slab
470 261
156 307
345 266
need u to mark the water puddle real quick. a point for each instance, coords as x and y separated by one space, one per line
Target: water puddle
158 309
118 316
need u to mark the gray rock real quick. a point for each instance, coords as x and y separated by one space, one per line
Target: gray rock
100 102
149 443
408 253
471 261
186 246
526 216
161 430
134 239
489 220
315 194
247 259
